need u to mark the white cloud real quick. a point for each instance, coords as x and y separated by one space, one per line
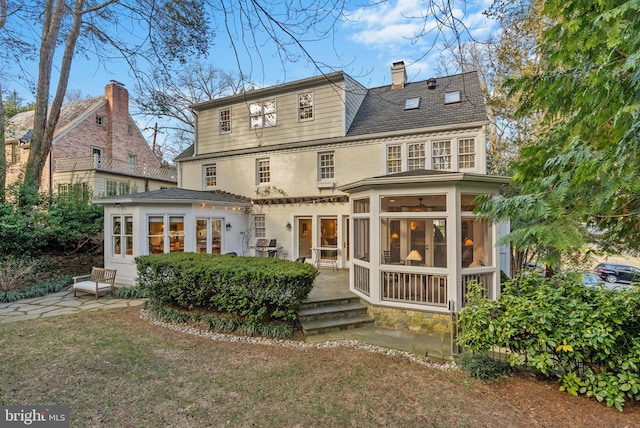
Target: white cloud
396 23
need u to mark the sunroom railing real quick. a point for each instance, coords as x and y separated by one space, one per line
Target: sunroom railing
484 279
361 279
425 289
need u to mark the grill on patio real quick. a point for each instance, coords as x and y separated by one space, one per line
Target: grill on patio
266 248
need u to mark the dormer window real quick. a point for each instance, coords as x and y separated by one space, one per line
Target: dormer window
452 97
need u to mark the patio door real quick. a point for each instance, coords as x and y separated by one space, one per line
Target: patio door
304 237
209 235
328 236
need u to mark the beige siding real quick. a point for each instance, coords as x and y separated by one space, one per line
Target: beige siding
293 172
328 122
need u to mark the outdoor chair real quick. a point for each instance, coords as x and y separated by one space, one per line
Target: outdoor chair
99 281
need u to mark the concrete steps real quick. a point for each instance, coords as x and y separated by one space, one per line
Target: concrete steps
333 315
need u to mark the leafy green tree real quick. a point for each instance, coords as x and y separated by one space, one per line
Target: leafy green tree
63 223
578 182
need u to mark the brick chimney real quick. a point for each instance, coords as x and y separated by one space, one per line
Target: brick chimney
398 75
118 120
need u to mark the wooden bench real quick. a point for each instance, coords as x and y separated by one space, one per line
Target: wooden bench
100 280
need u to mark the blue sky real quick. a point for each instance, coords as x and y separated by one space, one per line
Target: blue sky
364 47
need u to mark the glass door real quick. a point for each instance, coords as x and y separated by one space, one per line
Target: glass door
328 236
304 237
209 235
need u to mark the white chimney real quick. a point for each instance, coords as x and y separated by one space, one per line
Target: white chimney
398 75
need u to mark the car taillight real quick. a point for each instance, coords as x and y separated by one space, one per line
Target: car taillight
600 270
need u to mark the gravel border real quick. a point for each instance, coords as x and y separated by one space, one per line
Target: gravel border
145 315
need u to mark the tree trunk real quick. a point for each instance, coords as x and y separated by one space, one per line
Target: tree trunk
45 120
3 159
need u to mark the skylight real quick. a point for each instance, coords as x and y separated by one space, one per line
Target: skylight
412 103
452 97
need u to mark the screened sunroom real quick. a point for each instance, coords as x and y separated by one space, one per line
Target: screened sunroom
416 242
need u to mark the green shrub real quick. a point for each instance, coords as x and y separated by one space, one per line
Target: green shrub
253 288
32 224
587 337
482 366
224 323
130 293
41 288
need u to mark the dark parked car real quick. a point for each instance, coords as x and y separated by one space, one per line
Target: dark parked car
613 272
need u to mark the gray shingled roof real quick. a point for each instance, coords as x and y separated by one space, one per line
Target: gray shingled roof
20 125
178 195
187 153
383 108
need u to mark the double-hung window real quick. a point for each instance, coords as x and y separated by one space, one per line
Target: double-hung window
326 165
210 178
305 106
122 235
466 153
441 155
262 114
416 156
394 159
263 171
224 121
259 226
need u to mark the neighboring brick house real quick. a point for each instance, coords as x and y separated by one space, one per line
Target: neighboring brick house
381 181
96 144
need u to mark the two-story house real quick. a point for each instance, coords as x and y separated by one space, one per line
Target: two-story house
96 145
381 181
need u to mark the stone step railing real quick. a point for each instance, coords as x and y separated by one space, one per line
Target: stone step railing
114 165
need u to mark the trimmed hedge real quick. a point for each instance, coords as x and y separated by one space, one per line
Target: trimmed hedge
254 288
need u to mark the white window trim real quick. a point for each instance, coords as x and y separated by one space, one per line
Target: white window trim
220 130
205 184
255 226
460 155
402 157
258 182
122 235
312 106
261 116
328 182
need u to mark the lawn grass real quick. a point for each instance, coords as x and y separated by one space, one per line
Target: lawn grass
116 370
